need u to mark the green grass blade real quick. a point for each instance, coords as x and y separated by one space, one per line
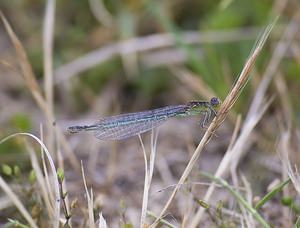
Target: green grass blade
271 194
297 224
238 197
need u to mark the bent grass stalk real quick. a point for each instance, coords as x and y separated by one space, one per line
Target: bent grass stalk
222 114
56 211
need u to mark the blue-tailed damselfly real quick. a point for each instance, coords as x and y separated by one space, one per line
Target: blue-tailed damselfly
126 125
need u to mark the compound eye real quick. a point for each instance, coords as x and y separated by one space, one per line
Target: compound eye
214 101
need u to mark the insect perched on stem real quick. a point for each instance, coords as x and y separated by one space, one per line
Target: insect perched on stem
126 125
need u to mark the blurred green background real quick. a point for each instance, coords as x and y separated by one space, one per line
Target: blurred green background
115 56
144 79
77 31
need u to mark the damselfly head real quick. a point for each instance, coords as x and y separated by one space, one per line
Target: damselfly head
215 102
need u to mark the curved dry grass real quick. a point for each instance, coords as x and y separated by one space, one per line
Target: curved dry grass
222 114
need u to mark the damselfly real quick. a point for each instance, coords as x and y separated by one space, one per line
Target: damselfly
126 125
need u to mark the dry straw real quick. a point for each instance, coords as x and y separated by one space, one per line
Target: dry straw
55 208
222 114
34 88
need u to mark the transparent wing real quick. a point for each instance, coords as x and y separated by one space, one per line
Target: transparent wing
127 125
126 131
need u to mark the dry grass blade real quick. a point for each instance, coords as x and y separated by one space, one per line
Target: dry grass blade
222 114
56 203
279 52
193 81
102 221
283 91
90 200
25 66
34 88
5 203
249 196
45 169
146 186
40 179
258 100
48 49
101 13
232 156
235 132
48 28
146 43
14 198
285 148
148 173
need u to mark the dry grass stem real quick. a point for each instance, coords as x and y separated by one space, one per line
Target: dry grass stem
47 179
156 41
282 89
235 132
48 28
148 173
284 148
279 52
56 202
25 66
40 179
154 137
193 81
249 197
222 114
60 161
34 88
258 99
246 215
90 201
67 149
5 202
101 13
146 186
102 221
129 59
232 157
16 201
150 45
